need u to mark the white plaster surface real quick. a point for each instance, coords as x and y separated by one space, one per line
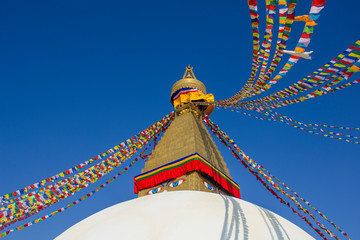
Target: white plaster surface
184 215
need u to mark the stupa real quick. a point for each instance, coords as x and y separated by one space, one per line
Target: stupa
185 190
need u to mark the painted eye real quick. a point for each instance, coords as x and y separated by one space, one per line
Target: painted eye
211 188
153 191
176 183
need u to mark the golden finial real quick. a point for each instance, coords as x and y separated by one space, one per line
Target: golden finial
188 81
189 73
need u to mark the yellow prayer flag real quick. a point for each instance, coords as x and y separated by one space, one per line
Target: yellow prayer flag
354 55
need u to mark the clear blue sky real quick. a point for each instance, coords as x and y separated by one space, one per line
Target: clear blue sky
78 77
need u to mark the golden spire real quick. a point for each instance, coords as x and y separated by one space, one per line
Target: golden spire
186 151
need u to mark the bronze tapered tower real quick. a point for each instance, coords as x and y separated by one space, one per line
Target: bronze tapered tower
186 157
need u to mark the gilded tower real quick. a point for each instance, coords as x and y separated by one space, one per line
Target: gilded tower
186 157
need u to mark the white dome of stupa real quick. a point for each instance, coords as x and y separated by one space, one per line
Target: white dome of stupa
184 215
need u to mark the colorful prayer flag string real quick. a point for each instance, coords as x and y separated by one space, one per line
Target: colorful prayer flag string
284 119
137 138
317 6
142 155
267 40
284 31
96 172
305 201
69 205
325 133
336 68
286 16
254 16
256 169
38 200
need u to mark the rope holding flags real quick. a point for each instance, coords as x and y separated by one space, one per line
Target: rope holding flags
288 121
142 155
71 204
337 70
29 204
122 147
261 55
264 176
320 82
274 116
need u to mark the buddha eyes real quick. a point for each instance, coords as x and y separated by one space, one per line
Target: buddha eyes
211 188
176 183
153 191
214 188
172 184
